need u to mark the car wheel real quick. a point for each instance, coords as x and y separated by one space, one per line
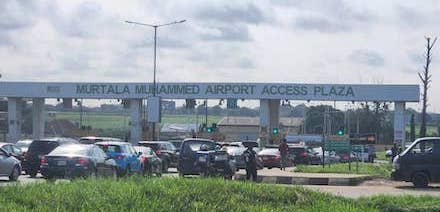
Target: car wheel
32 173
159 173
165 166
15 174
127 171
114 174
93 174
420 180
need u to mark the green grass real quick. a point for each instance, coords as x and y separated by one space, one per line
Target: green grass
170 194
380 155
430 130
373 169
115 121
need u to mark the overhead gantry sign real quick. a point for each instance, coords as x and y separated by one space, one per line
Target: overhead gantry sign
269 95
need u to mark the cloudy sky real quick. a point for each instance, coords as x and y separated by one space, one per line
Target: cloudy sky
331 41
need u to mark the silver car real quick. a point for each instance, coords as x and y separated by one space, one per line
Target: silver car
9 166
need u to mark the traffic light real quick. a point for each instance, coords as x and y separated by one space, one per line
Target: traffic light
340 131
275 131
209 130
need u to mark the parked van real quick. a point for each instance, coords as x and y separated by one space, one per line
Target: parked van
419 163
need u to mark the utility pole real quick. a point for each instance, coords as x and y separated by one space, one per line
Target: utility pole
155 47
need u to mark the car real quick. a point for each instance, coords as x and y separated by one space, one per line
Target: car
77 160
165 150
13 149
329 156
24 145
39 148
419 163
237 155
126 157
304 155
9 165
93 139
176 143
271 158
150 162
187 162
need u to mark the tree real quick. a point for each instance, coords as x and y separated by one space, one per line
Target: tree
425 77
412 134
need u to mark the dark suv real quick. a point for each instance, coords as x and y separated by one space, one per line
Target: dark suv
419 163
40 148
166 151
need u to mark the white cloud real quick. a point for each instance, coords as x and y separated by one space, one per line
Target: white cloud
312 41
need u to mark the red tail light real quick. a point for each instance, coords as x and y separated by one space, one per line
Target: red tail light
157 152
43 161
82 162
119 157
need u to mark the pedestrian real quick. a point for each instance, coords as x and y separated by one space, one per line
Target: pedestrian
284 149
394 151
251 163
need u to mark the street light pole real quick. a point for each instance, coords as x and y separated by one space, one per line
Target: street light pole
155 57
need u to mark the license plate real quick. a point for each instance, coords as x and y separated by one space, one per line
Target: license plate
61 163
220 157
202 159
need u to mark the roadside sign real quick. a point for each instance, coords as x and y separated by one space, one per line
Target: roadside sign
363 139
337 143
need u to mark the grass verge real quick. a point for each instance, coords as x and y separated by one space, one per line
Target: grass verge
170 194
373 169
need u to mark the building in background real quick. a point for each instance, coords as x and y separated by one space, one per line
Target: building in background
248 128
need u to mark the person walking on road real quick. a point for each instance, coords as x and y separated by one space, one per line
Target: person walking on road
251 163
283 148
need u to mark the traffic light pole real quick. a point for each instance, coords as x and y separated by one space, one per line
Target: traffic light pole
206 112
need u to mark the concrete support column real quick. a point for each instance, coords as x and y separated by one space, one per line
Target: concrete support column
399 123
135 120
38 118
269 118
14 119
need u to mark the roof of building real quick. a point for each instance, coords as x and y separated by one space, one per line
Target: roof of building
255 121
182 128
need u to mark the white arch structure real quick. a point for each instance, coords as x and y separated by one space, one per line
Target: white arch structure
269 95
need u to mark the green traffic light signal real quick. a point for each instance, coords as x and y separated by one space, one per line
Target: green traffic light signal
341 132
209 130
275 131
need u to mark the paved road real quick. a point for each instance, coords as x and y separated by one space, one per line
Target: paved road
378 187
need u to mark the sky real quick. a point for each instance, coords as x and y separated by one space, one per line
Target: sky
287 41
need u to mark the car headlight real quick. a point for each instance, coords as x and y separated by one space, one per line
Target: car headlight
396 163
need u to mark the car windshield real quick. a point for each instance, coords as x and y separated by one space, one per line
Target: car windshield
144 150
269 152
42 147
70 150
89 141
195 145
297 150
110 148
23 143
154 146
